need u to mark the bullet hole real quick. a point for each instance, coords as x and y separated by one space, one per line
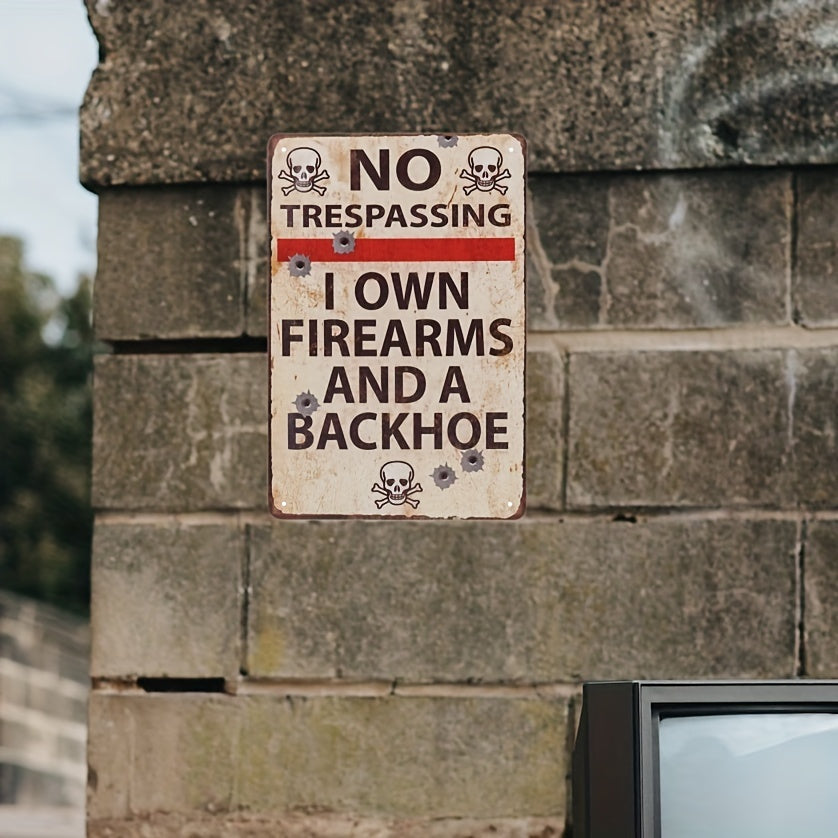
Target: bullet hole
299 265
343 242
306 403
472 460
444 476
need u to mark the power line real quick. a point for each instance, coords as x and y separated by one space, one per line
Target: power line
39 116
22 98
33 107
39 5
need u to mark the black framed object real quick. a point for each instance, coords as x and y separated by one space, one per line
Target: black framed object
676 759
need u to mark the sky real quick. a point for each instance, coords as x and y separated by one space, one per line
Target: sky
47 54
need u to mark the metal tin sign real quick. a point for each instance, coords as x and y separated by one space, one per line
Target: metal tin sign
397 326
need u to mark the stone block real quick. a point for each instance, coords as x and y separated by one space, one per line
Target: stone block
180 432
182 262
258 249
566 245
182 584
820 615
816 265
662 251
394 757
173 262
539 600
110 754
191 93
160 752
814 376
544 429
680 429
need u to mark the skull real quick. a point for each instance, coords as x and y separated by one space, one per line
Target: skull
304 165
485 162
397 479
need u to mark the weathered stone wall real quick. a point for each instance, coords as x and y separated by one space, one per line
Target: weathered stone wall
258 677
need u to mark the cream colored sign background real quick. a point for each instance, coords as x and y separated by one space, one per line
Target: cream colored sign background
336 482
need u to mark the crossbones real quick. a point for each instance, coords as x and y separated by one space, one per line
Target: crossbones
484 164
304 172
320 190
398 485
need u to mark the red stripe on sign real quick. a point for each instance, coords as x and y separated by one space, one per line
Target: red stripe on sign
401 250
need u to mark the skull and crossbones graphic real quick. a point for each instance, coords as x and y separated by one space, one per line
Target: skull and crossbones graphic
484 170
397 485
304 172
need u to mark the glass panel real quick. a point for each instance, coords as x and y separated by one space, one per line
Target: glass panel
753 775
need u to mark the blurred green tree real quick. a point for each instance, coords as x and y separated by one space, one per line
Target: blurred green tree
46 351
